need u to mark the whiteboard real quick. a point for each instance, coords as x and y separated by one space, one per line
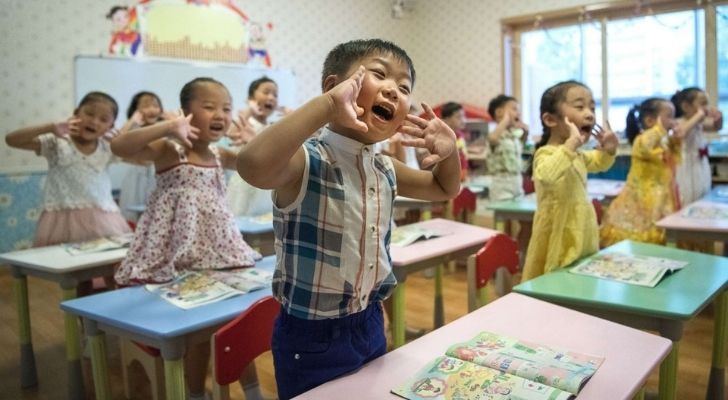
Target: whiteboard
123 77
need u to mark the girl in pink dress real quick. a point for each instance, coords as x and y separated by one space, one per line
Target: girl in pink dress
187 225
77 202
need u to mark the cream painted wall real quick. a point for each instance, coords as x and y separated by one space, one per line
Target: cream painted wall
455 46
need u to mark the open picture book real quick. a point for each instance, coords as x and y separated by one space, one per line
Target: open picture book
704 211
628 268
496 367
100 244
197 288
407 234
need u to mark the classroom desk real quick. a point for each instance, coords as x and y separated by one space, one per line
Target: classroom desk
55 264
630 355
457 240
258 232
137 314
607 188
680 227
665 308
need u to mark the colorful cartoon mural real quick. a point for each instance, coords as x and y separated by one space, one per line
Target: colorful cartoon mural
213 30
125 37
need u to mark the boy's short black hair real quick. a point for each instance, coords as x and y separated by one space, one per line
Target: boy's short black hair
340 58
450 108
498 102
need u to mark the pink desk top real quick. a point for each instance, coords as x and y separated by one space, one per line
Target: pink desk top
630 354
679 221
604 187
454 236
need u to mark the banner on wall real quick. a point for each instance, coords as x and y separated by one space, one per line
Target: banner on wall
210 30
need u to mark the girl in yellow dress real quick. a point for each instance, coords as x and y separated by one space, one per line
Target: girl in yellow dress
565 224
651 191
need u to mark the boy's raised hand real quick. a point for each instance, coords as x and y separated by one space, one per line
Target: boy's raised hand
241 132
182 129
432 134
66 128
344 110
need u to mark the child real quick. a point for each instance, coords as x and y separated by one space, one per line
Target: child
453 115
145 109
692 111
650 192
243 198
565 224
187 225
333 208
506 145
77 201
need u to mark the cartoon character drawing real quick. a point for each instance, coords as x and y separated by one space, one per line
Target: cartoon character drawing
257 48
429 387
125 38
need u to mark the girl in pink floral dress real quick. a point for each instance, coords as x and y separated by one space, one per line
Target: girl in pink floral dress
187 225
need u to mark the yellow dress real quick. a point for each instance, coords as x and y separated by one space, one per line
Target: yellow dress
649 194
565 224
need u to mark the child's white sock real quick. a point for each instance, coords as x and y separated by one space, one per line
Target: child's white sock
252 391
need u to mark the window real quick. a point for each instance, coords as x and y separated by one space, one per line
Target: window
651 51
722 33
555 55
653 56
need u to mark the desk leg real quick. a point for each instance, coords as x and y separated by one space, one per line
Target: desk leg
174 378
668 374
28 374
398 320
716 382
99 368
439 307
640 395
76 389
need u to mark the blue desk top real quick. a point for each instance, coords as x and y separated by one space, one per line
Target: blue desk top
139 311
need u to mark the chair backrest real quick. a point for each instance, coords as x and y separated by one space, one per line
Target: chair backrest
499 251
465 200
240 341
528 185
598 209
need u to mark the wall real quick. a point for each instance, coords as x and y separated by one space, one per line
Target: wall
455 46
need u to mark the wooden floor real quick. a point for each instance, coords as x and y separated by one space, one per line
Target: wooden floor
47 328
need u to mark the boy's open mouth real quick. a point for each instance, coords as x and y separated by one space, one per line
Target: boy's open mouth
217 127
383 111
90 130
268 106
586 129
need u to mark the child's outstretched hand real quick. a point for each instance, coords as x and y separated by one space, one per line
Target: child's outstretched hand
344 110
608 141
182 130
111 134
241 132
432 134
576 138
66 128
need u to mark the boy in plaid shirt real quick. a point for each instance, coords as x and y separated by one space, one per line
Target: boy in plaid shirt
333 208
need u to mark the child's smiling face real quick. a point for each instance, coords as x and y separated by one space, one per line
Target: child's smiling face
211 109
96 118
578 107
266 97
384 96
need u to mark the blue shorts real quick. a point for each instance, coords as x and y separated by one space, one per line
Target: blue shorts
307 353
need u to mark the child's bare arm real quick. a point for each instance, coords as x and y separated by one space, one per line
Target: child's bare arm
137 144
685 125
27 138
443 182
275 158
228 158
505 123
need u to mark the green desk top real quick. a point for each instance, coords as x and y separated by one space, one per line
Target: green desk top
523 204
680 295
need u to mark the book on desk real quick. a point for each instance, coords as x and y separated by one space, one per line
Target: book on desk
495 366
628 268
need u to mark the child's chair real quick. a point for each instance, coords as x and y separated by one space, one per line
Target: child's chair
150 360
239 342
463 206
500 251
598 209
